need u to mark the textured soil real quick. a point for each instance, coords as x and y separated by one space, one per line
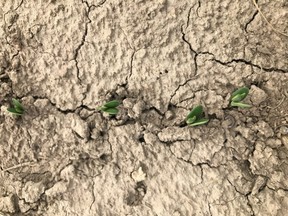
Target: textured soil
62 59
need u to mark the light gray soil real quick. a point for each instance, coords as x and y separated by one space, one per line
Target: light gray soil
63 59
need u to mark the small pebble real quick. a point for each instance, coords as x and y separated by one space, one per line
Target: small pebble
169 115
283 130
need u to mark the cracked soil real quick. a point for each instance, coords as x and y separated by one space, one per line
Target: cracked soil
62 59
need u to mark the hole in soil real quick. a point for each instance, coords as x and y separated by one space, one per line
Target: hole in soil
141 188
256 83
101 133
247 163
36 147
105 157
171 106
135 198
5 79
212 116
141 139
182 124
113 117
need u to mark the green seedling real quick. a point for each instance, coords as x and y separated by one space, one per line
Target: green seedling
110 107
17 108
195 117
239 95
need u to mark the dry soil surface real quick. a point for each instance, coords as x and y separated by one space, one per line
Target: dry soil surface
62 59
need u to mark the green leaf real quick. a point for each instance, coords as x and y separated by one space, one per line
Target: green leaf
102 108
19 110
239 94
112 104
199 122
14 111
238 97
111 111
17 105
241 105
191 120
197 112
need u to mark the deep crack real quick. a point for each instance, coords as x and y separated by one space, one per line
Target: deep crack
272 69
197 10
188 19
250 21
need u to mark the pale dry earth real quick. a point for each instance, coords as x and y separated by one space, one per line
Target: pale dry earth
62 59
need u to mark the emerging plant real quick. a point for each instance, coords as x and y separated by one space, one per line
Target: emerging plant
239 95
110 107
195 117
17 108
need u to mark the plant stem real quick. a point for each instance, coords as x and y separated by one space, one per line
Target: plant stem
239 104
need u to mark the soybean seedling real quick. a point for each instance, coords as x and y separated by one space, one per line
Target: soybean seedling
110 107
195 117
17 108
239 95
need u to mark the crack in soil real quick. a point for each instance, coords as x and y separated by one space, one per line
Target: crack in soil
198 8
93 195
245 195
189 13
247 62
250 21
273 69
82 41
250 205
17 7
168 144
77 50
209 208
195 63
131 67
